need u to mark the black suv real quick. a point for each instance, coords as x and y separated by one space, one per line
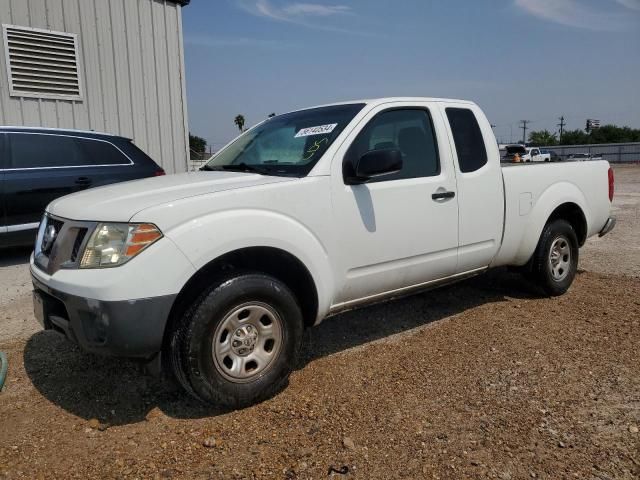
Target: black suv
39 165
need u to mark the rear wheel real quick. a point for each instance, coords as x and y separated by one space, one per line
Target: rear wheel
555 261
239 341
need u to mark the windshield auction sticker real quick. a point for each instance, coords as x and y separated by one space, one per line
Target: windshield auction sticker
319 130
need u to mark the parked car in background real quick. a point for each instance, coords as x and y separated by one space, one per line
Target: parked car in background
578 157
535 154
39 165
214 274
583 157
554 157
510 152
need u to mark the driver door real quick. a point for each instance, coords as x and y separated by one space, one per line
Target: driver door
535 155
397 231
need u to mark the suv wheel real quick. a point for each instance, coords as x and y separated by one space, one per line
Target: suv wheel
239 341
555 261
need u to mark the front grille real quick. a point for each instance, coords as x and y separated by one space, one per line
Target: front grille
60 243
82 232
51 236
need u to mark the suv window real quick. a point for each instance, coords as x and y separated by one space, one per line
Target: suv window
4 161
407 130
33 150
100 152
472 154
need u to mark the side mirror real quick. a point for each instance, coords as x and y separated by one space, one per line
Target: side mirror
376 163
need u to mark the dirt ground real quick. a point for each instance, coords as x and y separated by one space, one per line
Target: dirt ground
484 379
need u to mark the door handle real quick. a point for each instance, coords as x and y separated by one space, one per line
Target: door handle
443 195
83 181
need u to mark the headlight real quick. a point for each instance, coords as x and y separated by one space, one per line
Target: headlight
112 244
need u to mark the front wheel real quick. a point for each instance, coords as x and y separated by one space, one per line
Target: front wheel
555 261
239 341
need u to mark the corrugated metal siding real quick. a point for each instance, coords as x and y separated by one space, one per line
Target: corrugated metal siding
131 69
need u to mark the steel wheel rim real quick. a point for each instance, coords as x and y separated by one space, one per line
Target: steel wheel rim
560 258
247 342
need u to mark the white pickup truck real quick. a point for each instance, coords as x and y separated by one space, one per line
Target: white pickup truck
535 154
528 154
214 274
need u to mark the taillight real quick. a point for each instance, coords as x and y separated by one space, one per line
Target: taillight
611 184
159 173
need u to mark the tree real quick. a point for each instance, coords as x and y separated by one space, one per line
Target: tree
542 138
604 134
575 137
239 121
613 134
197 144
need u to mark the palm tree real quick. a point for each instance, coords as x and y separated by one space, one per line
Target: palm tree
239 121
542 138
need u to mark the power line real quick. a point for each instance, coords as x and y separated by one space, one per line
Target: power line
523 126
561 125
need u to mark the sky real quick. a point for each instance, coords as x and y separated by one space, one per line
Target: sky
518 59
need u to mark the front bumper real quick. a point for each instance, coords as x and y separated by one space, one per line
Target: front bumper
124 328
608 226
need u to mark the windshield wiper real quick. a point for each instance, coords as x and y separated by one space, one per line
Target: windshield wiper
240 167
243 167
272 170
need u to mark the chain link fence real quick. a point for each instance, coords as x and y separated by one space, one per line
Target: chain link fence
197 159
612 152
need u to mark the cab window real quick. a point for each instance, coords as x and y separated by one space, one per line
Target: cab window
472 154
408 130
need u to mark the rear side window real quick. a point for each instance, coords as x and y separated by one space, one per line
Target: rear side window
99 152
32 150
472 153
3 155
411 132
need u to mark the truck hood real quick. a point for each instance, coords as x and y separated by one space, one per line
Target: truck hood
121 201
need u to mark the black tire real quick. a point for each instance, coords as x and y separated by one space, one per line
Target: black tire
191 345
557 234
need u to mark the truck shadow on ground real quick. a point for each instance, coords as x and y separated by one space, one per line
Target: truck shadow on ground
119 392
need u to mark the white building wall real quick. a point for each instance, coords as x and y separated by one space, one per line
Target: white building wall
131 68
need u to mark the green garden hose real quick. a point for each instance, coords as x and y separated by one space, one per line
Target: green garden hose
4 366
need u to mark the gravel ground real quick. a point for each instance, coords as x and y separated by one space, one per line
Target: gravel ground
484 379
15 301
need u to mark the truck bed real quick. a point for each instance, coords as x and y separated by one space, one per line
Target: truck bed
532 194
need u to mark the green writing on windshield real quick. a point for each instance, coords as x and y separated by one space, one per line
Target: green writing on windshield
311 151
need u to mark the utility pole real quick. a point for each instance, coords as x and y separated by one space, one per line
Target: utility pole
523 126
561 125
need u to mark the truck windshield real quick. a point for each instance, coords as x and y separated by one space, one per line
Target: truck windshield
289 144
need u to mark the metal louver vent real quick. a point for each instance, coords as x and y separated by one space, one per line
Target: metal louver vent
42 63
